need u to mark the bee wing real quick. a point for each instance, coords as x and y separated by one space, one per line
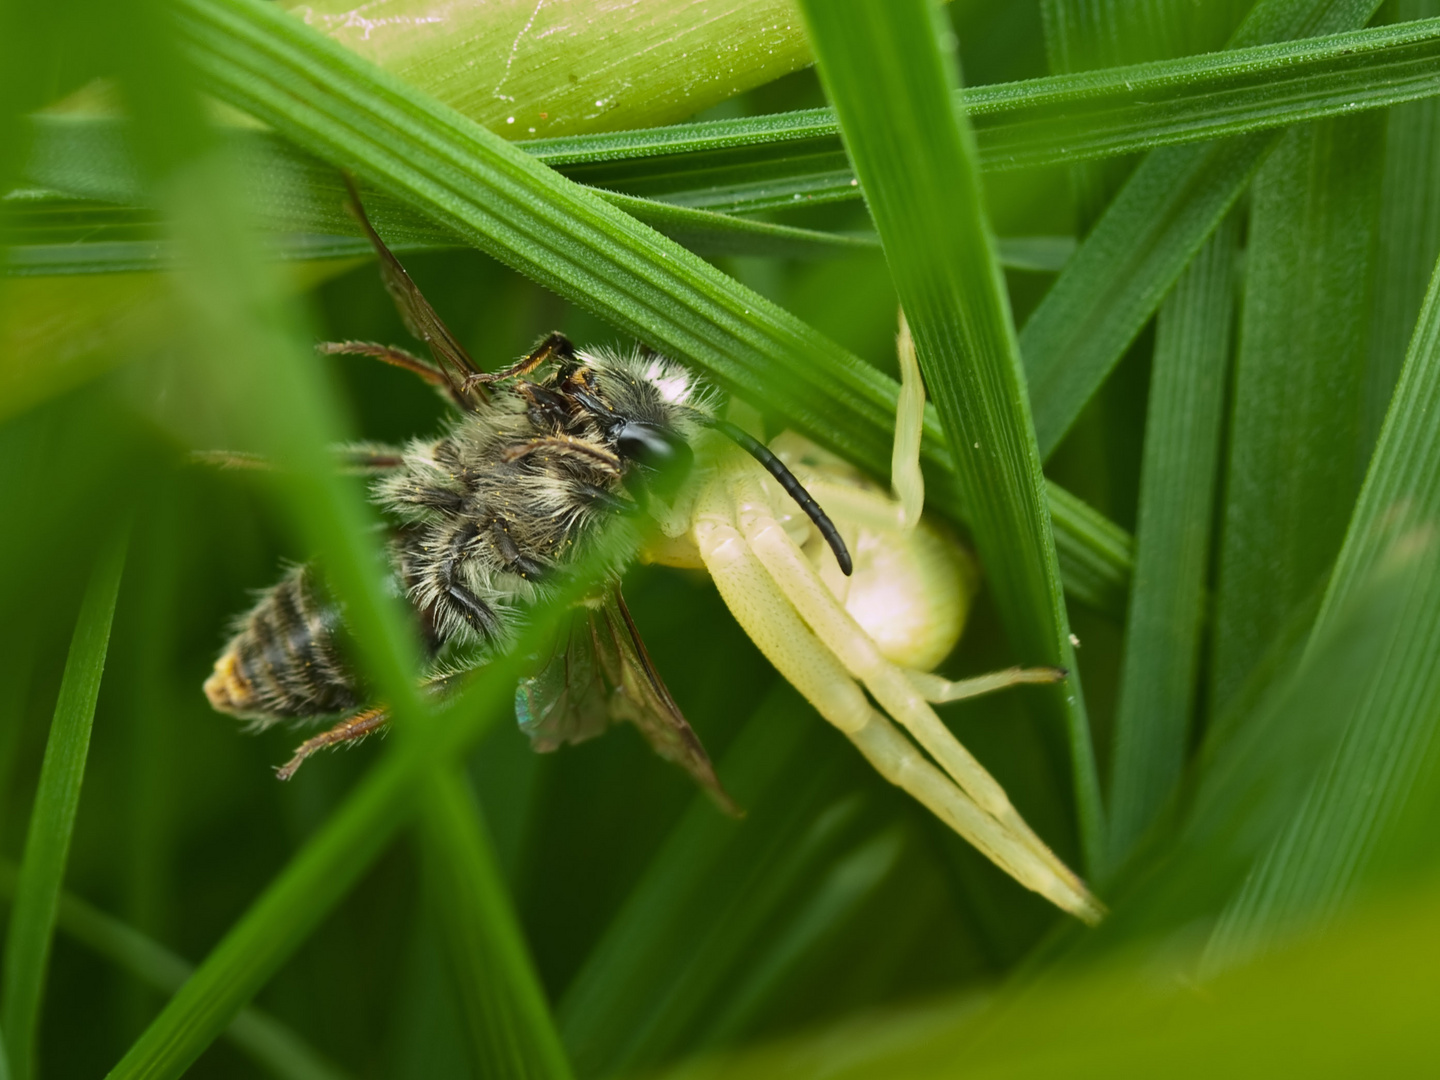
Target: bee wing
419 317
567 700
603 674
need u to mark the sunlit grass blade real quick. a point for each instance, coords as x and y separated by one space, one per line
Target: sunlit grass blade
519 68
1322 861
473 183
1177 487
1298 446
268 1042
506 1016
1151 230
52 816
893 86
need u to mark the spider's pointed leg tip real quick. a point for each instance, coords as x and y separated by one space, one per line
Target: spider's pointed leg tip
1090 911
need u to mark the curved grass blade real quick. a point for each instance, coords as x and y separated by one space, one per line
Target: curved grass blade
1161 665
493 195
507 1017
269 1043
52 815
893 89
1319 865
1152 229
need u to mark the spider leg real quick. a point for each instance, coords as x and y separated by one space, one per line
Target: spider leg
934 688
832 624
813 669
905 475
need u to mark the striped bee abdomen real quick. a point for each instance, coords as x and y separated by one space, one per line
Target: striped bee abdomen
286 659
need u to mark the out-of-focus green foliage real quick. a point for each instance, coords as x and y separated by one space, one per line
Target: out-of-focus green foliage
1263 704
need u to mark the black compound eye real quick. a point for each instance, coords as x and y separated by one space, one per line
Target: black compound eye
652 447
656 450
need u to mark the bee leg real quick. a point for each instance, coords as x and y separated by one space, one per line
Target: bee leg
905 476
939 690
351 729
555 344
798 582
389 354
775 626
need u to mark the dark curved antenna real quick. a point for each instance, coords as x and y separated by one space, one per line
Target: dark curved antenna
796 490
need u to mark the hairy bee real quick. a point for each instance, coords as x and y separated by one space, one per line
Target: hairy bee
546 457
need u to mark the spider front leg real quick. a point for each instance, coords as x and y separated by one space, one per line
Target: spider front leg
750 592
802 586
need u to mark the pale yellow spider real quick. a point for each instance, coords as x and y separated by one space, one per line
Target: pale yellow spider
882 629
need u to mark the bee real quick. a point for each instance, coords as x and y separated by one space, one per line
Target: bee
575 457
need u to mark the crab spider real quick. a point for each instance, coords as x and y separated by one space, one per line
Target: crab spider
879 631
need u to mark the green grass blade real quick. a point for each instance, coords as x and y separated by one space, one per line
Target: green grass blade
770 162
52 816
474 184
777 161
92 238
506 1015
893 87
1322 860
689 928
1298 444
259 366
1356 1000
1178 477
1152 229
1090 548
273 926
268 1042
323 871
1409 233
1082 35
84 161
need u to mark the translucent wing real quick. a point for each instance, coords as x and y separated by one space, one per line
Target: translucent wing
600 672
419 317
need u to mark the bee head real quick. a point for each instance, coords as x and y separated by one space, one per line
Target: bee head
649 409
